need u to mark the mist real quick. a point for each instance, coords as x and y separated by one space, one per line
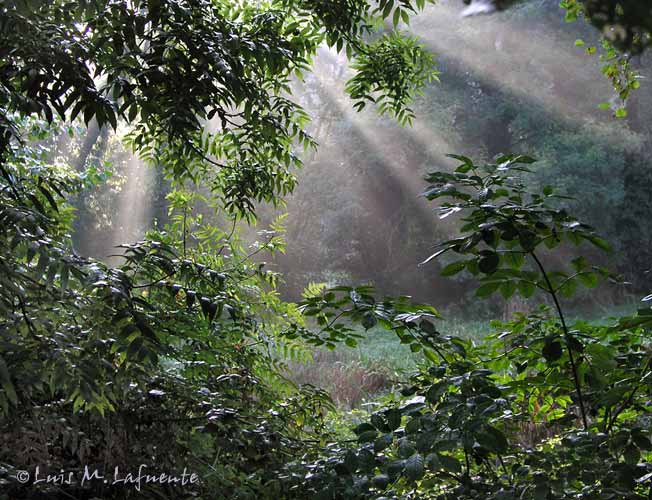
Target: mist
356 215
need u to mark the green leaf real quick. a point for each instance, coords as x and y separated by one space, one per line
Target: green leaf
383 442
599 242
528 240
492 439
489 263
395 468
552 350
191 296
642 441
568 288
526 289
467 163
42 264
367 436
431 355
52 272
364 427
397 17
486 289
209 309
589 280
368 321
601 357
49 197
507 289
427 327
414 467
380 481
621 113
405 448
351 461
388 9
631 454
453 268
514 260
436 391
393 418
65 272
449 463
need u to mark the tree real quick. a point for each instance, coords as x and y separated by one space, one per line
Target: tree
543 409
169 67
181 341
176 352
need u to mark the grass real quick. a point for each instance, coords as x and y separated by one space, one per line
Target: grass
355 376
606 315
380 345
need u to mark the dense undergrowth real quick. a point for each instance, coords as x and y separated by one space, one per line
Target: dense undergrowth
177 359
543 409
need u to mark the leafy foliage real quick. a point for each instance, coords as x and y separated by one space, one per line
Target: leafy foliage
620 38
516 417
512 225
395 68
167 68
627 25
174 355
177 344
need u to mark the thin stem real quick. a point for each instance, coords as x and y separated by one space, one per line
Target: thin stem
502 464
152 283
570 278
228 238
249 256
630 399
206 158
468 464
567 336
185 215
30 325
438 351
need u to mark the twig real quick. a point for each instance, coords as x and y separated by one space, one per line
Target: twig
567 336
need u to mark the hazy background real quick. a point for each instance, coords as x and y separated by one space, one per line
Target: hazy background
510 82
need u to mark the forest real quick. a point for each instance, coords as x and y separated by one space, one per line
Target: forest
325 249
